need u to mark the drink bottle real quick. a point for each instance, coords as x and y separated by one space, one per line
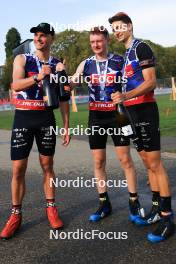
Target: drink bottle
50 93
64 88
124 120
121 115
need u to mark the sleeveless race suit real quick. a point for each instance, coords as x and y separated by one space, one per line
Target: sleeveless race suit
32 119
102 112
143 109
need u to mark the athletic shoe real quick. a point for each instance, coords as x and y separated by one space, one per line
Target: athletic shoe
165 229
12 226
136 210
103 211
152 217
53 218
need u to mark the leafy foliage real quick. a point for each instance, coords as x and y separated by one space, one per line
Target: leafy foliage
7 73
13 39
74 47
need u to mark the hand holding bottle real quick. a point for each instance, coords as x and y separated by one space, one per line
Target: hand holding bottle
46 70
117 97
60 67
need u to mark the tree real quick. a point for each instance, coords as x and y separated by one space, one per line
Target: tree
13 39
7 73
74 47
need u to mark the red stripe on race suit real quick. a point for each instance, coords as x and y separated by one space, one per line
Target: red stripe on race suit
102 106
148 98
29 104
110 79
29 74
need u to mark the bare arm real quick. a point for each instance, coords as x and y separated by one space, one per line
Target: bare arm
65 112
75 80
148 85
21 83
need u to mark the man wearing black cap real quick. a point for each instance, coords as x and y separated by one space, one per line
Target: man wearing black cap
138 97
33 120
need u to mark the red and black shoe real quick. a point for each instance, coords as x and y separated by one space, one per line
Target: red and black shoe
12 226
53 217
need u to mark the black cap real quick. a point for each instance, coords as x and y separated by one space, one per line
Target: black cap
43 27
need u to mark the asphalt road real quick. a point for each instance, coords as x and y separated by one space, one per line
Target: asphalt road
33 243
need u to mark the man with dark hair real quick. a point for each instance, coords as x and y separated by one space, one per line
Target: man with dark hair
33 120
103 70
138 97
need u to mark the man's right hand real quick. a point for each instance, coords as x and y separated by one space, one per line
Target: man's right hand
46 70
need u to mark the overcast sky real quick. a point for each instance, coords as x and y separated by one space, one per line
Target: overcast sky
152 19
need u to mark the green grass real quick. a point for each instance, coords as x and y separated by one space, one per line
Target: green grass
81 118
6 119
167 109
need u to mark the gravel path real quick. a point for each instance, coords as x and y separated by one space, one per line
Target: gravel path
33 244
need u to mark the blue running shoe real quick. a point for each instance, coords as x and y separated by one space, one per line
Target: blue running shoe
103 211
152 217
165 229
135 210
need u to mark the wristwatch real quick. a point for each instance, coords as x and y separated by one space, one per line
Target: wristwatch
35 78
